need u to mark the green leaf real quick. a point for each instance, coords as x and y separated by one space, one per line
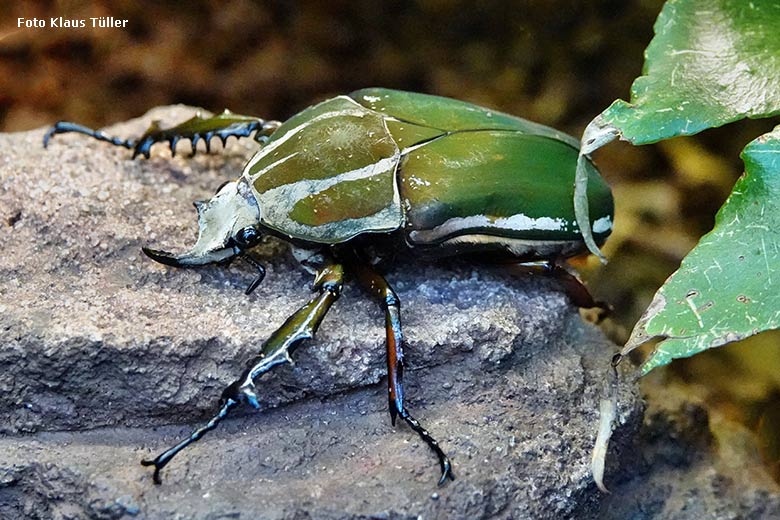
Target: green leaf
710 63
728 287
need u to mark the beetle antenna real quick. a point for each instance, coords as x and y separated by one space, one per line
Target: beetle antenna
260 274
62 127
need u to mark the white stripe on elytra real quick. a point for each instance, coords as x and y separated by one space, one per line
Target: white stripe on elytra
278 202
359 111
515 222
273 165
290 194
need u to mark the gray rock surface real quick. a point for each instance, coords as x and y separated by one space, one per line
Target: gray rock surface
107 358
682 470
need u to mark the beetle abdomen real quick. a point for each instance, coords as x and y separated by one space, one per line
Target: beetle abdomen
502 183
490 180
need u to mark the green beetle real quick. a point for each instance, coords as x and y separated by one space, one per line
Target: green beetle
373 170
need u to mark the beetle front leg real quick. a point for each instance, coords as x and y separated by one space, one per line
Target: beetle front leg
196 128
375 284
275 351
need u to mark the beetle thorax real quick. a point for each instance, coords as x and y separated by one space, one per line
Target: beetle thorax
233 208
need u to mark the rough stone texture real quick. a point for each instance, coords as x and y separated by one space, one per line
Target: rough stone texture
682 471
107 358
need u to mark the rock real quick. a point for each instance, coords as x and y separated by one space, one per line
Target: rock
108 358
683 470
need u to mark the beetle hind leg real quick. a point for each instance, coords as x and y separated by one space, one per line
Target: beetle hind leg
578 294
375 284
196 128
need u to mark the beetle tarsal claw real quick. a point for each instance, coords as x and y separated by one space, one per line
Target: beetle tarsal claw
156 475
446 473
165 457
260 273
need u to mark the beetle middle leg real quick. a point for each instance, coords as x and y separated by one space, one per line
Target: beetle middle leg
378 287
196 128
275 351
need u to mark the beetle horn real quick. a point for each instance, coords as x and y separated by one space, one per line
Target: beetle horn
186 259
219 219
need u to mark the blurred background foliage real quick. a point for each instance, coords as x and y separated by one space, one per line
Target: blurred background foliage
553 61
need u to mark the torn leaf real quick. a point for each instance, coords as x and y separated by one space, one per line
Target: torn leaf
728 287
711 62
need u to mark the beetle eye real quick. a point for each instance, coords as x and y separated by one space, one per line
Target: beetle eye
247 237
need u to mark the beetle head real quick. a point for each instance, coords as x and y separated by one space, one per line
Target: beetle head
227 224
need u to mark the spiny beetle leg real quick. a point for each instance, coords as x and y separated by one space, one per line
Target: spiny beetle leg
196 128
378 287
275 351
